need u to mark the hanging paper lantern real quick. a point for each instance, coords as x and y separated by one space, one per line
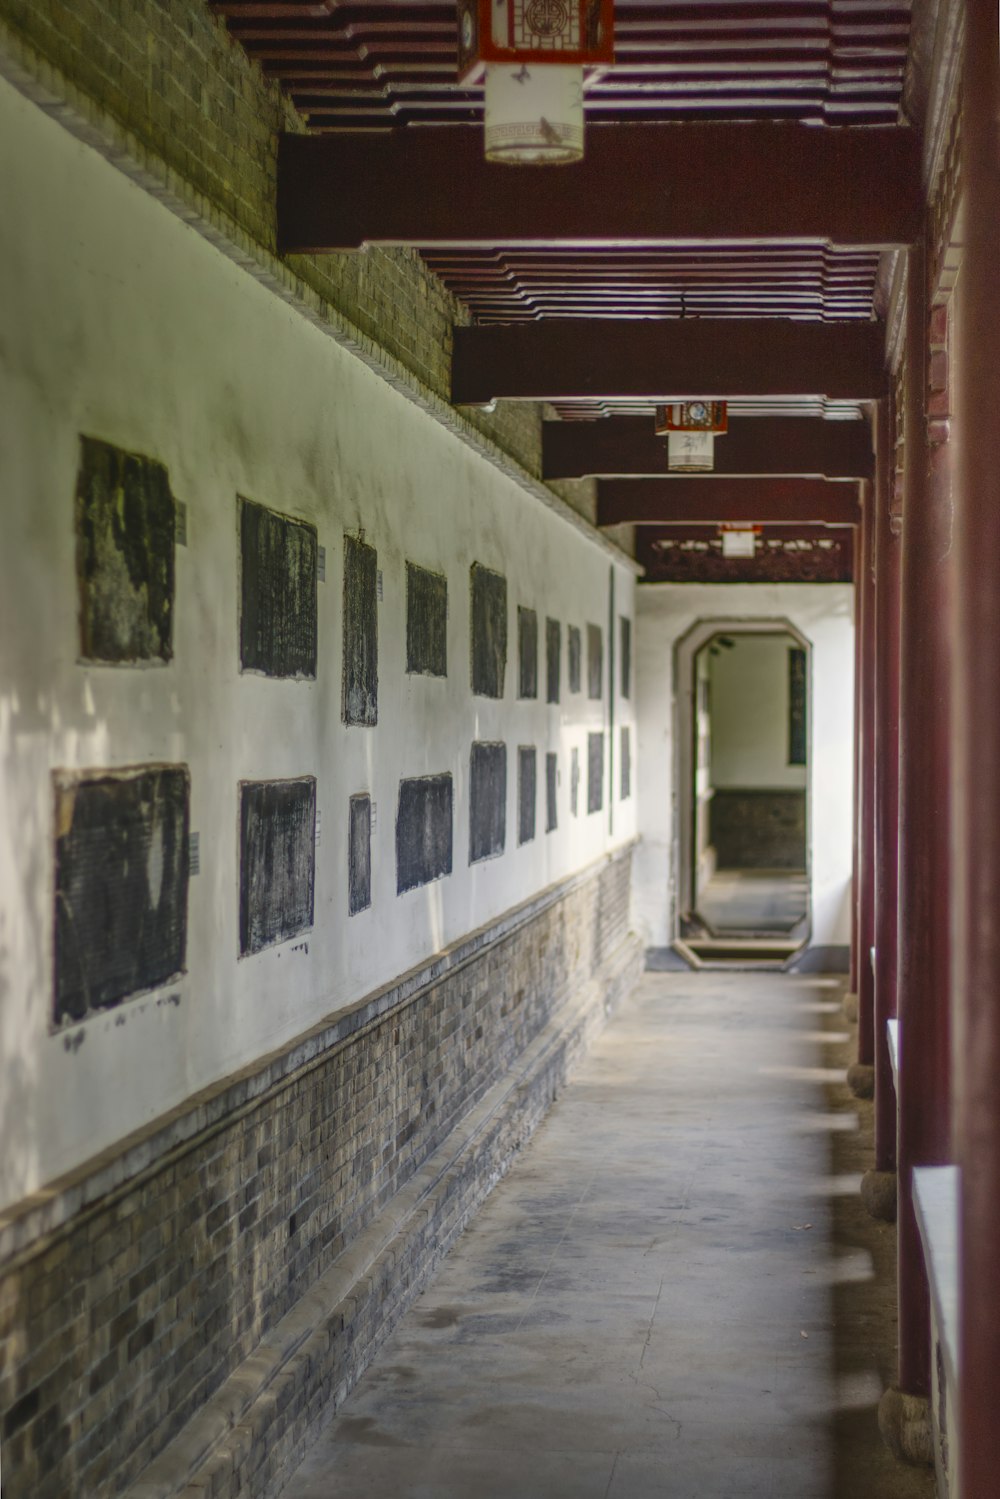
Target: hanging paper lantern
532 54
690 428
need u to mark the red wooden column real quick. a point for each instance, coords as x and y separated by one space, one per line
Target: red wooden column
924 976
976 784
856 799
878 1186
865 837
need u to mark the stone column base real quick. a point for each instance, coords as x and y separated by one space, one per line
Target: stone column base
850 1006
878 1193
905 1424
861 1079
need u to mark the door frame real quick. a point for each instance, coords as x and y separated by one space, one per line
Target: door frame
685 650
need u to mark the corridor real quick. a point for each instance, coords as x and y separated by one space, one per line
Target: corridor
673 1293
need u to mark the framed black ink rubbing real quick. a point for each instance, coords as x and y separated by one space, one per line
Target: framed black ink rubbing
277 861
278 580
121 876
426 622
423 831
125 523
487 800
488 643
360 681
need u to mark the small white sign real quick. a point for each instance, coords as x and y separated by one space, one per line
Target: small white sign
739 544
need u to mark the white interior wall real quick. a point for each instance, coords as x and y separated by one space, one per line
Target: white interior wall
749 687
127 325
823 613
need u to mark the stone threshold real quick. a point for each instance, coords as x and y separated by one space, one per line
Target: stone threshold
301 1372
26 1223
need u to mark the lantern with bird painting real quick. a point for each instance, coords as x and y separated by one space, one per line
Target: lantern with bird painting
531 55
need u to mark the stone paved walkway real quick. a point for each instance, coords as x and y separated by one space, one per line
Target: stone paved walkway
644 1307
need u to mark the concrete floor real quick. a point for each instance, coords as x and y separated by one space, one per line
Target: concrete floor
646 1305
750 900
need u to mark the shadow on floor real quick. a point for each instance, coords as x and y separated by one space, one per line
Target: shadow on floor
674 1294
864 1301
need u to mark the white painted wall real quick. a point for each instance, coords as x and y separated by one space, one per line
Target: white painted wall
824 615
749 687
123 323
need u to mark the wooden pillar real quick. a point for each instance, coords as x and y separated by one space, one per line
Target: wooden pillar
887 550
856 802
976 784
924 979
865 840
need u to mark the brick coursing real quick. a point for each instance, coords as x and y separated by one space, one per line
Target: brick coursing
171 75
116 1328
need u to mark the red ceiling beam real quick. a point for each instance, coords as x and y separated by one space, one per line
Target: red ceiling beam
753 446
652 534
826 557
710 500
638 184
558 359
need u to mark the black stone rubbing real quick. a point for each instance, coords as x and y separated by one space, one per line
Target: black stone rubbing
277 860
278 579
121 882
488 642
626 656
359 855
525 793
626 760
125 521
423 831
595 772
360 686
487 800
527 652
551 778
575 654
574 781
595 661
426 622
553 656
798 717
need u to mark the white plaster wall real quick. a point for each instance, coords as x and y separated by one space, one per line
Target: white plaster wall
824 615
123 323
750 714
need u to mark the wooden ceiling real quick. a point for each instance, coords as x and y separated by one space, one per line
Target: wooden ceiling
392 63
725 190
789 279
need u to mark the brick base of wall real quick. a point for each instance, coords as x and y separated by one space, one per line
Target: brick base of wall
178 1318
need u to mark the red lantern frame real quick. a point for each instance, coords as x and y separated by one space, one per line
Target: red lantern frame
676 417
588 26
